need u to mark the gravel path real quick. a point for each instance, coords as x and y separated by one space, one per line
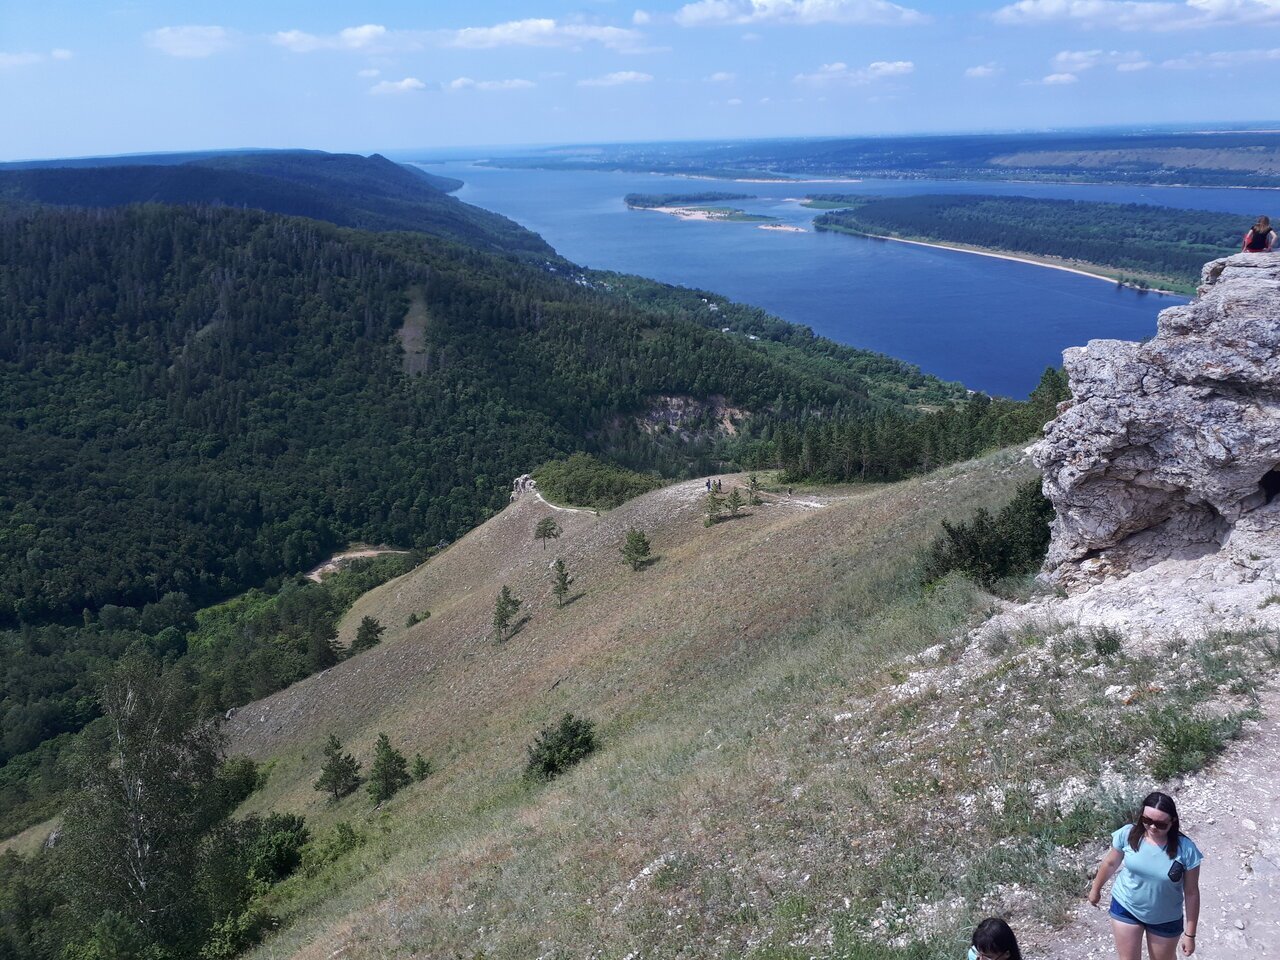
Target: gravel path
1232 811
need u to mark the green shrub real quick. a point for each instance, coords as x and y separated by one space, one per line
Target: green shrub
584 481
558 748
334 845
1106 641
989 548
1185 743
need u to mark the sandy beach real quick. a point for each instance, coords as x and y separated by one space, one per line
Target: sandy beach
784 227
1021 259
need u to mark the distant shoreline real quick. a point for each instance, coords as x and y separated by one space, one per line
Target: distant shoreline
1018 259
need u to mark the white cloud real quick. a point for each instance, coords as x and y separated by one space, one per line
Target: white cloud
640 18
842 74
984 70
543 33
734 102
617 79
466 83
1059 79
60 54
1142 14
190 41
1219 59
369 36
722 76
19 59
1077 61
407 85
1132 66
802 12
370 72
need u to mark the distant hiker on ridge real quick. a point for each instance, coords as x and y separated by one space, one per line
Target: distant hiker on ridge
1159 875
993 939
1260 238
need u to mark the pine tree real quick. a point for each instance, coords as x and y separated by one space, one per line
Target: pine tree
421 768
389 771
562 581
322 649
340 773
753 490
635 548
547 529
714 505
735 501
368 635
504 613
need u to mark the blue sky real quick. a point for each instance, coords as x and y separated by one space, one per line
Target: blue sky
103 77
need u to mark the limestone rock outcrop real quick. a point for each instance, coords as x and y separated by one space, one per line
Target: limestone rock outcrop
1171 448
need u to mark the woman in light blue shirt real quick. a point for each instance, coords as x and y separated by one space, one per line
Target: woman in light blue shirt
1158 882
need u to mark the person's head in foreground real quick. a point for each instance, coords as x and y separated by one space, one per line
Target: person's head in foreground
993 939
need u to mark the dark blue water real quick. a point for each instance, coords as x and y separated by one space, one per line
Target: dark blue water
992 324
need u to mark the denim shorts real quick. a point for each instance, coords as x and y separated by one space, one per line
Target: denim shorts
1171 929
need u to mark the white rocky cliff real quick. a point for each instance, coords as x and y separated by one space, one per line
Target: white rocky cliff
1169 450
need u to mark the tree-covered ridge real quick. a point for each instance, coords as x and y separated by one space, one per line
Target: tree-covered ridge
1246 158
371 193
196 400
1159 242
648 200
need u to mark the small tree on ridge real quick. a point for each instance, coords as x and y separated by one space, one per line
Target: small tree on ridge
505 609
389 771
340 773
635 548
368 635
547 529
562 581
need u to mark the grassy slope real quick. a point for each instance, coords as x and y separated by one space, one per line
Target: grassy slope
776 781
698 669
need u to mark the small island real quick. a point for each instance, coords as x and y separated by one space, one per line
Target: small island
831 201
1139 245
696 206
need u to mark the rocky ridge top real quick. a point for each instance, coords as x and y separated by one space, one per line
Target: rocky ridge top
1169 450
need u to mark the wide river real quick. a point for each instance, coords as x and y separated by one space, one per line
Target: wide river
992 324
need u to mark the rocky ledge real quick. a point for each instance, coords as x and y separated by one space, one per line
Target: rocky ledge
1169 450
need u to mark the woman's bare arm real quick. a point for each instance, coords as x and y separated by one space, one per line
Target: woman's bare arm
1191 899
1106 868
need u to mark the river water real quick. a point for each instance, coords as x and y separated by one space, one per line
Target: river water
993 325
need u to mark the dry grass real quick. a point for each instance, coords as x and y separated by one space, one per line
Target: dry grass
777 779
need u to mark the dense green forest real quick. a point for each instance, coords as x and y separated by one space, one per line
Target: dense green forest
890 445
1164 243
646 200
227 655
200 401
371 193
196 400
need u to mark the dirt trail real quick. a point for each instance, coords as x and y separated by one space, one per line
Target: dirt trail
336 562
1232 811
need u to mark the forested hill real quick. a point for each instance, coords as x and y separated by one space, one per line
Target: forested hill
196 399
1142 243
371 193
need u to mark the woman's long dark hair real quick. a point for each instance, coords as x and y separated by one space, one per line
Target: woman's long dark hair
994 936
1164 803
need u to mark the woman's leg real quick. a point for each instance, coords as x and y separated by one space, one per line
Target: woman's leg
1128 940
1161 948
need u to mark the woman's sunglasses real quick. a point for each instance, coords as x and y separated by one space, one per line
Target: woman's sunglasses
1157 824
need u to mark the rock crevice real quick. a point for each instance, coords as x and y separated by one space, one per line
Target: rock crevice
1171 448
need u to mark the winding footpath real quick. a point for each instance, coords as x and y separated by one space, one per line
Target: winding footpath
1232 811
